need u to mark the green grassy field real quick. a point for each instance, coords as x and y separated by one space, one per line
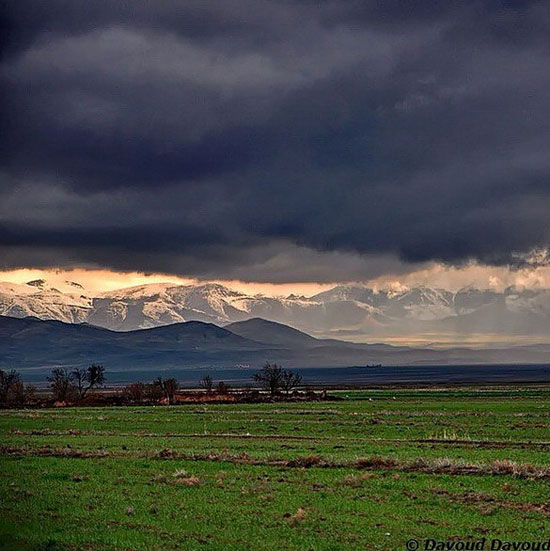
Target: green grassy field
368 472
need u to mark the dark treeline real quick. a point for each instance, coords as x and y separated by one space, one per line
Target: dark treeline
76 387
275 381
65 386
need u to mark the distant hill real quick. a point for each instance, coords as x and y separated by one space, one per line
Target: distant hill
264 331
32 343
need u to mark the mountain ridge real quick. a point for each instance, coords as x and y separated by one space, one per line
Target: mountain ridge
353 312
34 345
261 330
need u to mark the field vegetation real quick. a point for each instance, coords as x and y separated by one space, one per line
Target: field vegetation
367 472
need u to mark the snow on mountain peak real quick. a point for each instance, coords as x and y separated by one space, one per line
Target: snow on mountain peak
37 298
354 308
138 291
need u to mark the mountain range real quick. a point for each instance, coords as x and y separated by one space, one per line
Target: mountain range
34 345
352 312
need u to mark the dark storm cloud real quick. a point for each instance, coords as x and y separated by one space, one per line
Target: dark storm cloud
239 138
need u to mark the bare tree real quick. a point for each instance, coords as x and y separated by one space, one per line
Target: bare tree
61 383
270 377
86 379
8 379
207 383
169 388
79 379
222 388
21 394
13 392
290 380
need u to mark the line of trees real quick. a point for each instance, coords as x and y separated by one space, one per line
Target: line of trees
70 385
64 384
207 383
157 391
272 377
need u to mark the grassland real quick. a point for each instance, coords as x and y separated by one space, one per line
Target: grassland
368 472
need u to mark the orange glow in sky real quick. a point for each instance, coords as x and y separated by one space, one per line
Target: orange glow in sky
436 275
97 281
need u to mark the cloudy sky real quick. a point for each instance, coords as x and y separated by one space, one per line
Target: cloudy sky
276 141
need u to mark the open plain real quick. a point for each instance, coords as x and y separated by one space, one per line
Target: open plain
371 471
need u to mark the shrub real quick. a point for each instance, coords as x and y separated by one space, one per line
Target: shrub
135 392
153 392
222 388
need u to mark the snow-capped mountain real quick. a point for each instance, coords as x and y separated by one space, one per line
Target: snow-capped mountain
353 312
36 298
161 304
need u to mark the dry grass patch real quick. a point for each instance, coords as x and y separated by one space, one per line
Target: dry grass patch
306 462
297 518
189 480
357 480
518 470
